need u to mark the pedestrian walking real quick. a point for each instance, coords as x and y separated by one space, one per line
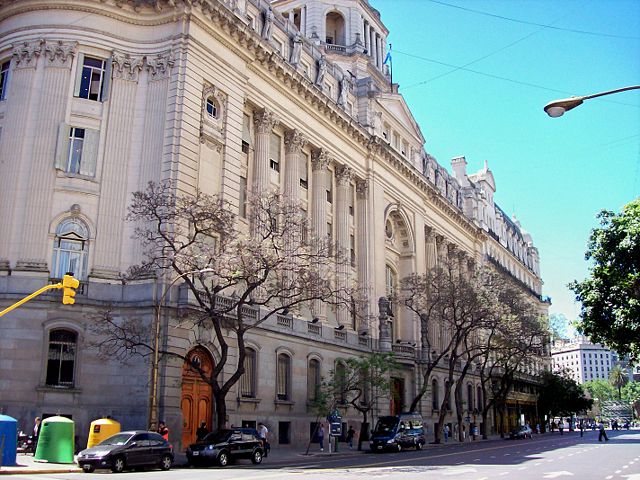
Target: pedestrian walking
202 431
321 437
603 432
561 426
581 428
350 433
163 430
446 433
263 434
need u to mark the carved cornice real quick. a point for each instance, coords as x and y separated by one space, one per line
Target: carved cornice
320 159
59 53
26 53
264 120
294 141
126 66
159 65
344 174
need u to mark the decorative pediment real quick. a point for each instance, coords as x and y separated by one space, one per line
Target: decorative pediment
395 107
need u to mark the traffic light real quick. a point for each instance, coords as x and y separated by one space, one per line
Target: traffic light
69 285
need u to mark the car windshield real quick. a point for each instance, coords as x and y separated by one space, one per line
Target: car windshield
218 437
117 439
386 425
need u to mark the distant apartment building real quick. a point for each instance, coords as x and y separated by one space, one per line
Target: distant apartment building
584 360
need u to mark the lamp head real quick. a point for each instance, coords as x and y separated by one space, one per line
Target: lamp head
558 107
315 320
340 327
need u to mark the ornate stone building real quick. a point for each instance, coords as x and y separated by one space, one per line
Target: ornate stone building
99 97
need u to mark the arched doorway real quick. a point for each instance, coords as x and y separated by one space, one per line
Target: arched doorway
197 396
335 29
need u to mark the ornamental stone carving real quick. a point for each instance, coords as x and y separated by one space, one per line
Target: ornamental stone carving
126 66
59 53
344 174
264 120
159 65
320 159
294 141
362 188
26 53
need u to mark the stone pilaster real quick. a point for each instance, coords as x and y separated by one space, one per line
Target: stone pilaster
58 58
362 238
114 198
294 142
431 253
264 121
344 175
319 162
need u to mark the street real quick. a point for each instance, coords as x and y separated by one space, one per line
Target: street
545 456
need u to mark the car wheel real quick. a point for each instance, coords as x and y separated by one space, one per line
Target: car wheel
223 459
118 465
88 468
256 458
165 462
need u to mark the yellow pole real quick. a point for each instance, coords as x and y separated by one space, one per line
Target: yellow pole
29 297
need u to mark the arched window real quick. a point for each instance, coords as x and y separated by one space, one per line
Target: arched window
313 379
469 397
212 108
61 358
435 400
283 377
70 248
248 382
335 29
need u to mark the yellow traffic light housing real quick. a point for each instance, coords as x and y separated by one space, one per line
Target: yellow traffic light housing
69 285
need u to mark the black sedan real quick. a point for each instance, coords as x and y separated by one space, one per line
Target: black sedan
124 450
224 446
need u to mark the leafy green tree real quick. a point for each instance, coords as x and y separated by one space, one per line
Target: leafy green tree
561 396
631 395
599 391
610 297
360 382
618 378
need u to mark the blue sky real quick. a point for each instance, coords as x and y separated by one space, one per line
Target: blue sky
555 175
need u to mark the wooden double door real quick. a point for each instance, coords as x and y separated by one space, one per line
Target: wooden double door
197 397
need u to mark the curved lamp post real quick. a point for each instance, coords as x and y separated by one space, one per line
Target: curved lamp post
558 107
153 401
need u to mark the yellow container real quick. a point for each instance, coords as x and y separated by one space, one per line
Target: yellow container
102 429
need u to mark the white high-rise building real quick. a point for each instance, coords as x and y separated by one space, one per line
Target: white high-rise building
584 360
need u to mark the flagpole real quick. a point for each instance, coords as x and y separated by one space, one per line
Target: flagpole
390 68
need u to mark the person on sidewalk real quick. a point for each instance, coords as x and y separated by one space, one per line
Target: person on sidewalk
263 434
202 431
446 433
603 432
561 426
321 437
163 430
350 433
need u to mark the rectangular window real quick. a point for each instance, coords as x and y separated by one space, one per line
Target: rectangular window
77 150
274 152
4 79
248 381
61 358
92 78
353 250
242 207
304 172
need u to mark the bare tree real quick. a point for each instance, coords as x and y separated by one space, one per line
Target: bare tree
236 276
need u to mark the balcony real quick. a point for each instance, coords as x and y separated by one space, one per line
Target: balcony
404 351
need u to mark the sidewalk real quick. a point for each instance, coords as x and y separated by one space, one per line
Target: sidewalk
278 454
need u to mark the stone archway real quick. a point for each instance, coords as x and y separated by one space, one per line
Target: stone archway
197 396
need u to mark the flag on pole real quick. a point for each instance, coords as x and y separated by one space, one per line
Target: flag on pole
387 59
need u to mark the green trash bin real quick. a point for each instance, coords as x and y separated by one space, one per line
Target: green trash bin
56 440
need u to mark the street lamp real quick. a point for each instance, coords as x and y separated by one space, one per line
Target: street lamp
558 107
153 401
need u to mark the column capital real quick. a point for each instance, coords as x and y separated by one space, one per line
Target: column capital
59 53
320 159
126 66
26 53
294 141
453 248
264 121
429 233
344 174
159 65
362 188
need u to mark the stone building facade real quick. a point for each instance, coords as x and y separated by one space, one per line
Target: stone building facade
99 97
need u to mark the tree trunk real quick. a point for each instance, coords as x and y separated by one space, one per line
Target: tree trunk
364 430
220 409
459 416
485 415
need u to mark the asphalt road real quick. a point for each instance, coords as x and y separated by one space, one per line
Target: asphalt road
543 457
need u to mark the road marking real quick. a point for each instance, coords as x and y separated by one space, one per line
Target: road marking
618 471
562 473
625 466
504 473
608 477
522 468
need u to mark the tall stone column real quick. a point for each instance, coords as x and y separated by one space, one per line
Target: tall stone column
442 247
264 121
58 58
452 254
372 44
17 133
113 198
430 248
433 330
384 334
344 175
362 236
319 162
294 142
463 265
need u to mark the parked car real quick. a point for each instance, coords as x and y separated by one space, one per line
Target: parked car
124 450
397 432
521 432
226 445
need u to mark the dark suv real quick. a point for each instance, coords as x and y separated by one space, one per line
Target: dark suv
223 446
397 432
